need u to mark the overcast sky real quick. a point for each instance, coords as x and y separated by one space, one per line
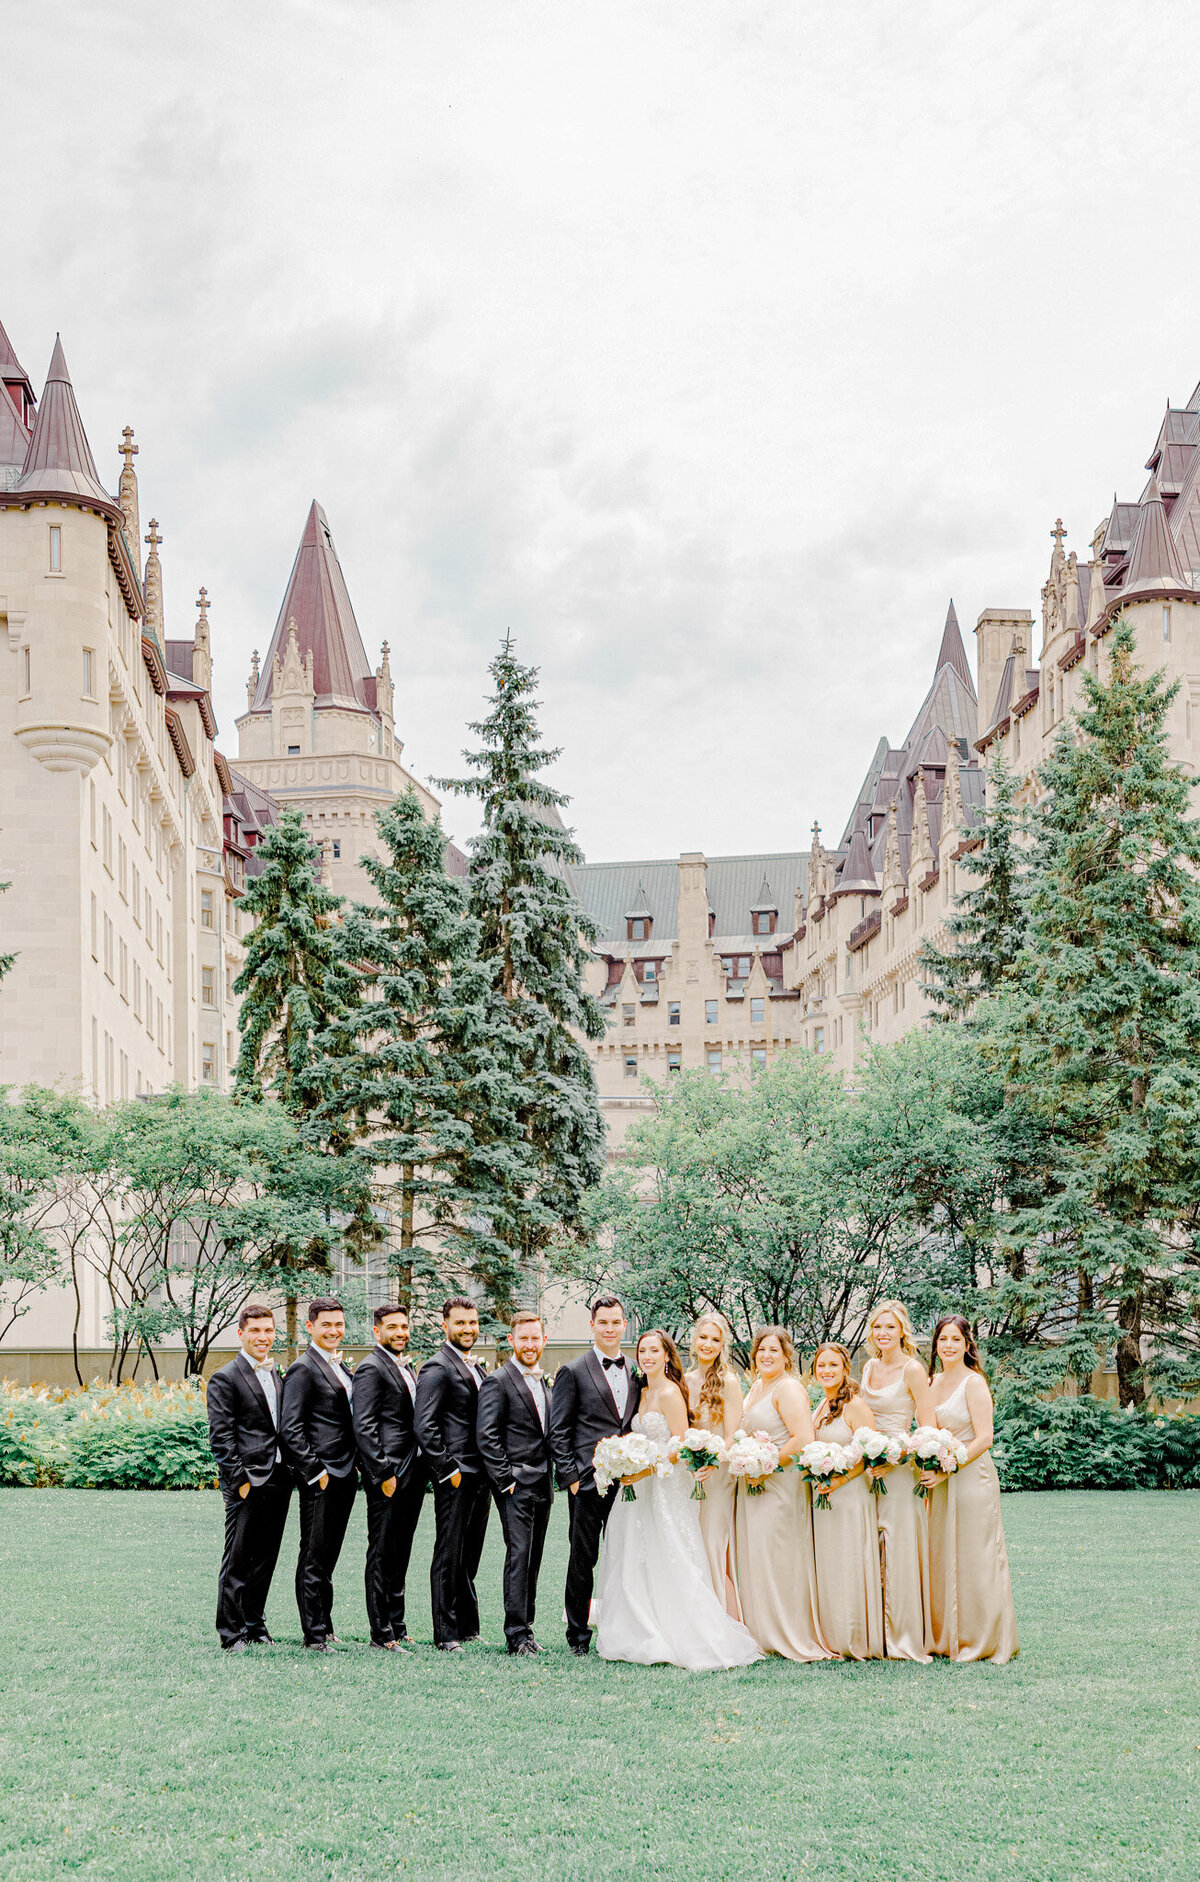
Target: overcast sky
707 347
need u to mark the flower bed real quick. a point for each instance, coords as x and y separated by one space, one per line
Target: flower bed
128 1437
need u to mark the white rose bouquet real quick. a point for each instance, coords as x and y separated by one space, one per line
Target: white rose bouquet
875 1448
931 1448
751 1457
698 1450
627 1456
818 1463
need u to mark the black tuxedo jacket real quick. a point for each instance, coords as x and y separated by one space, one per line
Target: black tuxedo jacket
512 1443
582 1412
240 1427
384 1420
316 1426
447 1397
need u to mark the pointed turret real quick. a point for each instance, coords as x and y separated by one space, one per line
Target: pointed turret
153 623
129 489
952 653
318 602
858 872
59 463
1155 565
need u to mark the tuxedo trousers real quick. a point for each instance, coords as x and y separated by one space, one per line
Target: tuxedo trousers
254 1526
587 1515
391 1526
461 1518
524 1515
323 1518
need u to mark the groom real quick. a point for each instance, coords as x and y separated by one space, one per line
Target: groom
594 1398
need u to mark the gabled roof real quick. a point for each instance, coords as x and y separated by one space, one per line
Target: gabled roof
59 461
766 903
1155 565
318 600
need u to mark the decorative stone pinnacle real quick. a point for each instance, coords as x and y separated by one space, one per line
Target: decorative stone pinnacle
202 603
153 538
254 663
127 447
1058 532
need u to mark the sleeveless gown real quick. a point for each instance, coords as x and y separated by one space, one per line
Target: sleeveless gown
846 1552
970 1588
716 1526
773 1548
903 1531
654 1597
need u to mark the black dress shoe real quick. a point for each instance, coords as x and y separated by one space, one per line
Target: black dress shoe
466 1639
403 1646
318 1646
449 1646
234 1646
581 1653
261 1640
527 1647
385 1646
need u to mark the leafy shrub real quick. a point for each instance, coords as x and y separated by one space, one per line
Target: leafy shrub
1088 1443
127 1437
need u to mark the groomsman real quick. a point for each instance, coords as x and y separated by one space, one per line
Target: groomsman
318 1440
512 1427
447 1399
243 1423
594 1398
394 1474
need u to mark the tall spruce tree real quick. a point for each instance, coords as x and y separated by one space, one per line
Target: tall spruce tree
986 928
294 989
422 1071
1101 1029
537 937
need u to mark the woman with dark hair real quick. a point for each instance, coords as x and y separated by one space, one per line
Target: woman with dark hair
654 1596
970 1589
845 1537
715 1404
772 1531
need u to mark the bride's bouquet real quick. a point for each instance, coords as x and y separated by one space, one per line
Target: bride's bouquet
875 1448
698 1450
752 1457
931 1448
818 1463
628 1456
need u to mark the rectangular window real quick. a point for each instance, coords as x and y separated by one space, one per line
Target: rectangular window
137 991
714 1059
158 929
672 1012
108 1068
26 673
208 1063
674 1061
124 1075
106 831
637 931
89 691
759 1054
293 751
122 869
819 1039
160 1021
627 1015
710 1012
631 1068
650 970
1166 620
92 812
149 918
757 1012
337 849
206 908
108 947
208 986
95 949
56 549
135 899
124 980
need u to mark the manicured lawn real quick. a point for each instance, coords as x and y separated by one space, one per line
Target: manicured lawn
130 1748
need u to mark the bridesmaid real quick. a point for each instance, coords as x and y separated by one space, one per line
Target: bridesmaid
715 1404
772 1533
969 1587
896 1389
845 1539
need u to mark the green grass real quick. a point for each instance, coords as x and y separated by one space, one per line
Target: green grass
129 1747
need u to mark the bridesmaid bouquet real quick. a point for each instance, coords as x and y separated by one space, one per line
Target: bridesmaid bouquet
818 1462
751 1457
627 1456
699 1450
875 1448
931 1448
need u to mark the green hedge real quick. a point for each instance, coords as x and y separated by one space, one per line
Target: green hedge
127 1437
1089 1443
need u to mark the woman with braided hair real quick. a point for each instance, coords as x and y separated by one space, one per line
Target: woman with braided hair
715 1404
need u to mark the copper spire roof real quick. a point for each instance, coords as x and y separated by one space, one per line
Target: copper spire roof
952 652
318 601
1155 564
59 462
858 872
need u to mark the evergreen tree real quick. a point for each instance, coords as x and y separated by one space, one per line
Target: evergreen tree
425 1078
6 960
1101 1032
294 988
987 925
537 937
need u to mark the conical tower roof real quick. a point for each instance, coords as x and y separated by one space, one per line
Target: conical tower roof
766 903
59 462
952 653
318 600
858 872
641 907
1155 564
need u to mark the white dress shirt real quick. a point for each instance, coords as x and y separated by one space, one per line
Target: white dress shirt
532 1376
265 1376
333 1361
617 1380
405 1370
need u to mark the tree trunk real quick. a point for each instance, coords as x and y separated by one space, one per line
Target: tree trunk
290 1324
405 1272
1129 1350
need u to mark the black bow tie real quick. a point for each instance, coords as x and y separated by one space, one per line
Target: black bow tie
618 1361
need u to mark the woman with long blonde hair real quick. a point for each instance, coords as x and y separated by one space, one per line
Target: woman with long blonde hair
845 1539
772 1531
715 1404
895 1386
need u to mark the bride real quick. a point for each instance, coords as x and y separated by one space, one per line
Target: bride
654 1596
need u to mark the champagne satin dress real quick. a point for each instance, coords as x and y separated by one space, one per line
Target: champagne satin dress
970 1591
716 1525
903 1530
773 1549
846 1553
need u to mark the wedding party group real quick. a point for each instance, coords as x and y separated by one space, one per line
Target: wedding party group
708 1527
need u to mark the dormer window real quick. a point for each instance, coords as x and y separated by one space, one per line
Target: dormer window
637 928
762 921
639 920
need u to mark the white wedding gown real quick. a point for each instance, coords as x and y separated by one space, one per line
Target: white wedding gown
654 1596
